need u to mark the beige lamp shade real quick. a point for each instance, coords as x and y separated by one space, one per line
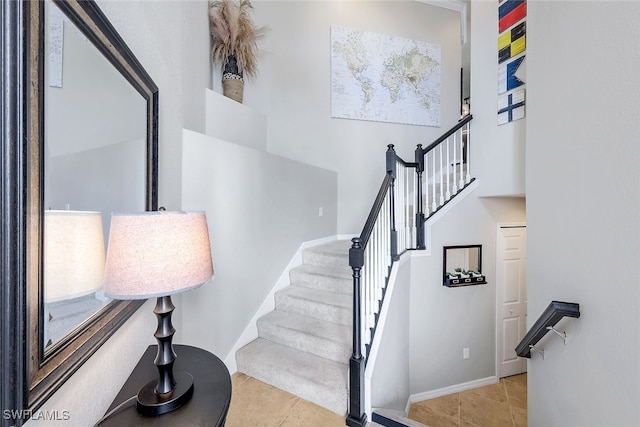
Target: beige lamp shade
74 254
153 254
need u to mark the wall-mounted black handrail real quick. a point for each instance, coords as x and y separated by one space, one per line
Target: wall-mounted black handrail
549 318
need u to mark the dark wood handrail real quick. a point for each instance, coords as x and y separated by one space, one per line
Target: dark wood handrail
447 134
549 318
377 205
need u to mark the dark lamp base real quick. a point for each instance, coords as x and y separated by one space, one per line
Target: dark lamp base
151 404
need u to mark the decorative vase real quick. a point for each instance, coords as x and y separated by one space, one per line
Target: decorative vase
232 81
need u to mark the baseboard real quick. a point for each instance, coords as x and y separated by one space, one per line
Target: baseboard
250 332
456 388
439 214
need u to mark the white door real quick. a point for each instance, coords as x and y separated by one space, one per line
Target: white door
511 290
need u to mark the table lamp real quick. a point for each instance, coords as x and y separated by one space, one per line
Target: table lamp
157 254
73 254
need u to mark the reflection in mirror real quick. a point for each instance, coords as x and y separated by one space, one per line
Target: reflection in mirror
462 265
94 164
462 259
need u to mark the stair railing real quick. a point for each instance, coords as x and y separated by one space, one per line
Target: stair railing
395 225
444 169
371 257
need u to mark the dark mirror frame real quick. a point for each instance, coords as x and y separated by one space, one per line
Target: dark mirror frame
462 281
29 375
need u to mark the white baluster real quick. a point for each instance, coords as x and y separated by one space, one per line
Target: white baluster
448 170
468 153
403 211
405 203
400 209
387 227
364 302
441 178
425 186
434 205
414 236
455 165
381 254
374 271
372 283
462 162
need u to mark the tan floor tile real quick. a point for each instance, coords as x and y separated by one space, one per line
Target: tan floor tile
495 392
307 414
484 412
520 378
431 418
517 394
519 417
447 405
256 404
237 379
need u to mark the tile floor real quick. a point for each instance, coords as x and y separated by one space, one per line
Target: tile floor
499 405
256 404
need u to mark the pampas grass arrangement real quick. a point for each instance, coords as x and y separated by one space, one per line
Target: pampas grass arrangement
234 40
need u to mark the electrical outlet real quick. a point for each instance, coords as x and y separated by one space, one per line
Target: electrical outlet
320 211
465 353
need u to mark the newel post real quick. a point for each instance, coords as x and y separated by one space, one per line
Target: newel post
391 169
357 416
419 158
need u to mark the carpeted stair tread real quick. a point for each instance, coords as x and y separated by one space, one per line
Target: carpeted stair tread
325 339
325 278
319 380
333 254
317 303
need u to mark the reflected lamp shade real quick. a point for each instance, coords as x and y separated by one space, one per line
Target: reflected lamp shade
74 254
154 254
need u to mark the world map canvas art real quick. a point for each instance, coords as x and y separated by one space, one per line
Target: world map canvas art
384 78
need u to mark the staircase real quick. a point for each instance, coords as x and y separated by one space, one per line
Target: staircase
304 345
316 342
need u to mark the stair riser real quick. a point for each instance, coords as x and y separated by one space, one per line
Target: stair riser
316 310
317 281
326 259
338 351
304 381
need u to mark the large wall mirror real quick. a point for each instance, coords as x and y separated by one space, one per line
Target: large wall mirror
89 127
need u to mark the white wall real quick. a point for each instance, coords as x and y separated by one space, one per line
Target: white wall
260 208
498 152
293 89
446 320
171 40
390 376
583 205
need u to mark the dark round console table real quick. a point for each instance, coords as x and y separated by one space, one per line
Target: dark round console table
211 396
